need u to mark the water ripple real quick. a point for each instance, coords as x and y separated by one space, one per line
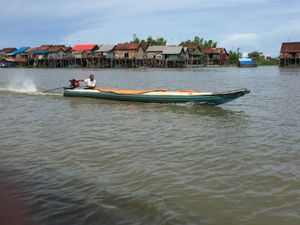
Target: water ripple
91 161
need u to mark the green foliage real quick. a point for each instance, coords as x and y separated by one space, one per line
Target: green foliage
149 40
135 39
258 56
200 42
265 62
161 41
234 57
261 59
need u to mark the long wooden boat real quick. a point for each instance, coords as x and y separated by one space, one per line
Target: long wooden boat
159 96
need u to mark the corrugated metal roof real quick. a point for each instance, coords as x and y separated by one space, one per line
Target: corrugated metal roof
127 46
20 50
30 50
172 50
8 50
156 48
44 47
54 49
40 52
214 50
65 49
190 48
106 48
290 47
58 48
87 47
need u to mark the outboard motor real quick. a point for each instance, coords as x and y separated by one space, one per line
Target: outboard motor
74 83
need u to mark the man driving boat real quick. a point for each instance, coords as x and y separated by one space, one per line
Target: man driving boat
90 82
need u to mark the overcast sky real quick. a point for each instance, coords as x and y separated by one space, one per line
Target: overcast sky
246 24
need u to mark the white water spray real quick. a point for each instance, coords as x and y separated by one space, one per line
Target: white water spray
22 85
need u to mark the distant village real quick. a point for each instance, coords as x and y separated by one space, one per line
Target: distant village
132 55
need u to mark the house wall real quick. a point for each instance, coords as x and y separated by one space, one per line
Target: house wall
56 55
109 54
196 54
223 56
19 55
119 54
159 56
150 55
26 55
171 57
139 54
185 55
154 55
39 57
77 55
174 56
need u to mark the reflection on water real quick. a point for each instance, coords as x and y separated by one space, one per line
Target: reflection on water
187 108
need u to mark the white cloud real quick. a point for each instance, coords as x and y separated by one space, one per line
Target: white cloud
245 54
239 39
267 41
246 24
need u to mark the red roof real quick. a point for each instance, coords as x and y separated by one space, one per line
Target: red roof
214 50
290 47
128 46
89 47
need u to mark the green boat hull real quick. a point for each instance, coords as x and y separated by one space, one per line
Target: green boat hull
214 98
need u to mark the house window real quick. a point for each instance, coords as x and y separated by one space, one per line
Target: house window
126 55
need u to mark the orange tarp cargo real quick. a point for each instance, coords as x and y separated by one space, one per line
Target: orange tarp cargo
129 92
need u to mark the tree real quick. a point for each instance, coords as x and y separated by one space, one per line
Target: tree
161 41
149 40
200 42
234 57
259 56
135 40
261 59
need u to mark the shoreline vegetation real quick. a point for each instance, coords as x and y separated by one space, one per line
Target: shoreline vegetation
261 59
138 53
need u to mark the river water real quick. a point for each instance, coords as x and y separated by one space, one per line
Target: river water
91 161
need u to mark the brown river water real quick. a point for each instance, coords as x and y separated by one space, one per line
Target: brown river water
90 161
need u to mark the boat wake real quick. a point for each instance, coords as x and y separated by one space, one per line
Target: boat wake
26 86
23 86
29 92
